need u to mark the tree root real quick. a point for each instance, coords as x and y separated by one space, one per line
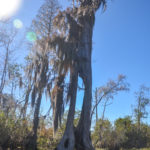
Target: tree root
83 141
67 142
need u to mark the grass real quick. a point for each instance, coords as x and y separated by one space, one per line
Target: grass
127 149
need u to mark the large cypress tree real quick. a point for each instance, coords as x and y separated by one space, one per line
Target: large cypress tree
75 27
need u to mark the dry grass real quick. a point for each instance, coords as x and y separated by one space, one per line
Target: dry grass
137 149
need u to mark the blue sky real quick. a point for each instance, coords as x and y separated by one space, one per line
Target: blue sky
121 45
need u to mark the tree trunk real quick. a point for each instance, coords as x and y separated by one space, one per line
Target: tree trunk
68 140
96 98
83 140
58 103
36 122
3 78
139 114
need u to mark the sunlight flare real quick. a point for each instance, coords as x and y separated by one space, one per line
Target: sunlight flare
18 23
31 36
8 8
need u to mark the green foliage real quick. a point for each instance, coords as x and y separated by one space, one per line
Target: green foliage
45 139
13 131
102 133
124 134
143 99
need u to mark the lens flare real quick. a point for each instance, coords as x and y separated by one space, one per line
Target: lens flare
31 36
18 23
8 8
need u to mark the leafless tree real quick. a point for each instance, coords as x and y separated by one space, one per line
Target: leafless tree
7 38
143 99
105 94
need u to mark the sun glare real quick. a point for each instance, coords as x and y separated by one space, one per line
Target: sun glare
18 23
8 8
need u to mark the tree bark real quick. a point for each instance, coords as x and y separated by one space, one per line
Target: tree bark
36 122
96 99
83 140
